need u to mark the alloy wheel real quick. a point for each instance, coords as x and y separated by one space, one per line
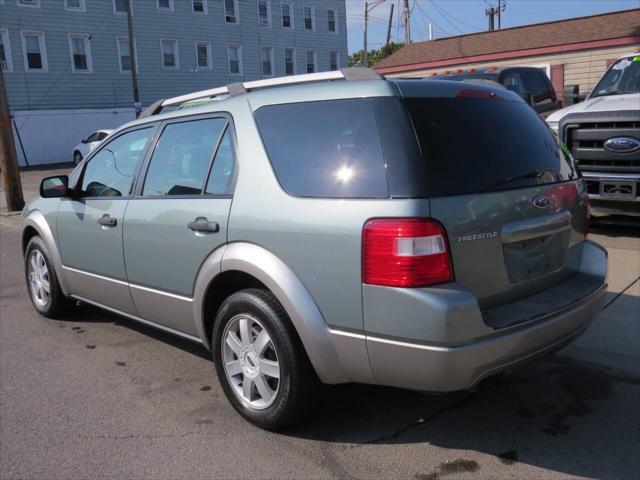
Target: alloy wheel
39 282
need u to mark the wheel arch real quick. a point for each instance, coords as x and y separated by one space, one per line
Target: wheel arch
248 266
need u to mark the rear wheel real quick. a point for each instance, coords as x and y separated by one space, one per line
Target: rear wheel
42 282
77 157
260 361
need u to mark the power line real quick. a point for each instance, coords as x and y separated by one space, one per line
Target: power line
443 11
446 19
425 14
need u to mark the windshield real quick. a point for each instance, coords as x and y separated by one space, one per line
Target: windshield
622 77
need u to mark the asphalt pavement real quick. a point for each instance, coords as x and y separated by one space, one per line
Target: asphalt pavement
98 396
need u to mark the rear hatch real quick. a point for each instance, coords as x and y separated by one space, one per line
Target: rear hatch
507 194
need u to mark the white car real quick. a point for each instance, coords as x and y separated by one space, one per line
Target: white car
86 146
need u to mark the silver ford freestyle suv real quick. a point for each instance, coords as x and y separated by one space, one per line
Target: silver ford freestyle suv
328 228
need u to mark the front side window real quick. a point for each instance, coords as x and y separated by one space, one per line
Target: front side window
325 149
311 61
266 59
513 81
537 85
123 54
34 52
80 53
169 53
110 172
289 61
235 59
181 159
120 6
75 5
287 21
222 172
332 23
199 6
264 13
309 20
230 11
334 60
203 54
6 62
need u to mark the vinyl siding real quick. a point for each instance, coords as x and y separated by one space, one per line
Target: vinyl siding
583 68
106 87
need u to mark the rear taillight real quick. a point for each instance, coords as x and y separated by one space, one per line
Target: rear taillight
405 252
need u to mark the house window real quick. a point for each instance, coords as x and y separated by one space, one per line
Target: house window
264 13
199 6
28 3
80 50
287 18
203 54
166 5
231 11
35 53
309 17
120 6
123 54
334 60
75 5
289 61
266 60
311 60
332 20
169 50
5 52
235 59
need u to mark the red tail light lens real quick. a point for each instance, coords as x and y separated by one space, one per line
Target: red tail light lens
405 252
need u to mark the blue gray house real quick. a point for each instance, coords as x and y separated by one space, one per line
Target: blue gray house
68 71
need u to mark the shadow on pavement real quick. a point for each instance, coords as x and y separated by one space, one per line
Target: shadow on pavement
615 226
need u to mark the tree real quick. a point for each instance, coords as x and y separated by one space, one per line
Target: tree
357 59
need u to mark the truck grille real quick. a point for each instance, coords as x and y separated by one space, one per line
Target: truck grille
586 142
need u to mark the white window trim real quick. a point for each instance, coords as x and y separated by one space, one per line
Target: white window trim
43 51
35 5
135 49
175 53
313 18
315 59
82 8
287 2
273 73
116 12
209 59
284 57
338 62
240 66
205 5
269 20
236 9
171 8
87 50
335 20
7 50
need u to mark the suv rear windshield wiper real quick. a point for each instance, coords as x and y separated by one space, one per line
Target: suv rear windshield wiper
530 174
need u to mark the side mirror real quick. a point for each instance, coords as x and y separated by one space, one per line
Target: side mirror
54 187
84 140
571 94
527 97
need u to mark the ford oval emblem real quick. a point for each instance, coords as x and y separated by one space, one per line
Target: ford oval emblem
540 201
622 144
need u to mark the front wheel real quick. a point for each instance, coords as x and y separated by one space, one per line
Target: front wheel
42 282
260 361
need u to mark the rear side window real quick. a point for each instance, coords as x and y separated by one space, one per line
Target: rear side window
327 149
472 145
181 159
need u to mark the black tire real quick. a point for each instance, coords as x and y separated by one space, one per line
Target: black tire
298 386
77 157
57 303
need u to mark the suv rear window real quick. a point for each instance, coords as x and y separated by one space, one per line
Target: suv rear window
472 145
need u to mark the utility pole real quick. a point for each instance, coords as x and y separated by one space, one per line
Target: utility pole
406 15
499 11
491 13
366 21
8 157
430 31
389 27
132 55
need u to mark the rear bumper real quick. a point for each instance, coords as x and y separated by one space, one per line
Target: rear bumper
443 366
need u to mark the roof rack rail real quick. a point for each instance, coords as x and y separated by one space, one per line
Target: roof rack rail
240 88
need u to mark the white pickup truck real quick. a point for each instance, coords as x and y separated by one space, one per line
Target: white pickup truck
603 135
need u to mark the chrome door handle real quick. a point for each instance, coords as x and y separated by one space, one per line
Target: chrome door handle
107 221
203 226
